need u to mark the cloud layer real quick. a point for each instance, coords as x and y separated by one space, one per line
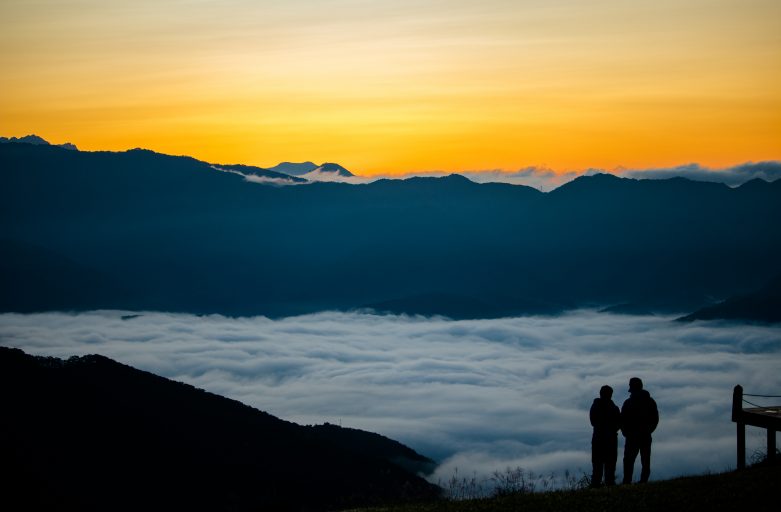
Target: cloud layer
732 176
477 395
546 180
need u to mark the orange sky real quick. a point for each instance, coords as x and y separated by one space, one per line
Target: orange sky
400 86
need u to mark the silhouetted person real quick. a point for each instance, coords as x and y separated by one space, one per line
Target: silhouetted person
639 418
605 418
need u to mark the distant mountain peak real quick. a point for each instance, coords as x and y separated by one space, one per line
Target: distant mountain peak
300 164
590 182
597 178
293 168
312 169
600 176
36 140
454 177
329 167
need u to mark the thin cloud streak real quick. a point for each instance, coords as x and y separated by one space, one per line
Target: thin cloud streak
732 176
545 179
478 395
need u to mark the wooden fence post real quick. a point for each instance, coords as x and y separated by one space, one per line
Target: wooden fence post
737 417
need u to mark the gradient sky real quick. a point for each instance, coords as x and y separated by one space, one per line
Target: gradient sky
400 86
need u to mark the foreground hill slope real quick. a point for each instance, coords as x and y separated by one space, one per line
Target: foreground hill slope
92 434
148 231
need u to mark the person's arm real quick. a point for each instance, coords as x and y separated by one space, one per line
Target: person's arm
622 420
654 415
616 418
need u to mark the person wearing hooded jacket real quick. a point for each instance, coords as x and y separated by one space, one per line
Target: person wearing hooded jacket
605 418
639 418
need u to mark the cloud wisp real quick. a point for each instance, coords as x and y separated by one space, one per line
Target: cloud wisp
545 179
478 395
732 176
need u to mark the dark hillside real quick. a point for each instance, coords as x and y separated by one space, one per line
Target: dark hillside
761 306
92 434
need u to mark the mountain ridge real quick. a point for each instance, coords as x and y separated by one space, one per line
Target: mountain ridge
175 234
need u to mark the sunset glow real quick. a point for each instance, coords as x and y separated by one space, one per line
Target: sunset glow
391 87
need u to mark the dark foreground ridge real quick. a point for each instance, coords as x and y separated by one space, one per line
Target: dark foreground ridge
754 490
89 433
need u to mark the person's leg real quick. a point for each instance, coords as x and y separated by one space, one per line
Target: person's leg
611 454
597 463
630 454
645 459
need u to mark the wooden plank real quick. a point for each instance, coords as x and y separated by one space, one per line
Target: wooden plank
764 417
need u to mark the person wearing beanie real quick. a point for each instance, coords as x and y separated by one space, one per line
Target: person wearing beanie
639 418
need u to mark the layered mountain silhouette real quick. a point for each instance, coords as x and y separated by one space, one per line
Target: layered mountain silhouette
88 433
141 230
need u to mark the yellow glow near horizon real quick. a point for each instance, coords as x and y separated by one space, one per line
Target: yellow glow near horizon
400 86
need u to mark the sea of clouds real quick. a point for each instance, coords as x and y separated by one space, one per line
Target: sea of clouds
476 395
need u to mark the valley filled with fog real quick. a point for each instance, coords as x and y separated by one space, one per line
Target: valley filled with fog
476 395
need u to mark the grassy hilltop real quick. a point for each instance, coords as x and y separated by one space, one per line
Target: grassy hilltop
754 489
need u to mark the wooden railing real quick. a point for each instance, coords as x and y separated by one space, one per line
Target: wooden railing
767 417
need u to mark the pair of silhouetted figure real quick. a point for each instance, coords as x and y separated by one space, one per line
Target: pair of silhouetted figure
637 419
